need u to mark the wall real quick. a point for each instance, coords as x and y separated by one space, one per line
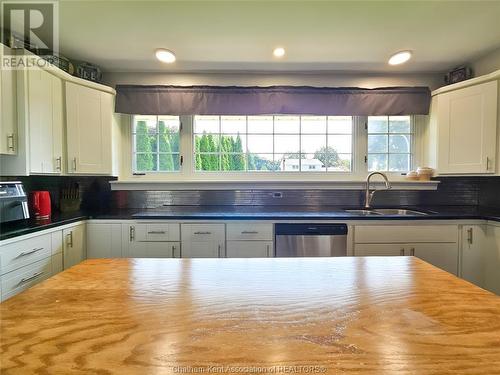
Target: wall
487 63
329 79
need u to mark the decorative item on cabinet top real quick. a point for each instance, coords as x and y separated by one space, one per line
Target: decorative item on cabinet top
88 71
458 74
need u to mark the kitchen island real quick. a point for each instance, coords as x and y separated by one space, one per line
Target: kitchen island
372 315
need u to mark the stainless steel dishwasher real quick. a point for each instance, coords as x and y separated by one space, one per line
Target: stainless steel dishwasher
311 240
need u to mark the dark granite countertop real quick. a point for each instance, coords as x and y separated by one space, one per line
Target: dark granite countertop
307 212
14 229
22 227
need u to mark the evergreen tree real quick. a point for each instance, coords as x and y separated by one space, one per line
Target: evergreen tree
198 162
238 160
204 147
165 157
144 158
251 162
226 149
213 159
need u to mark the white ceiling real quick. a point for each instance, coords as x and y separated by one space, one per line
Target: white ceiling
240 35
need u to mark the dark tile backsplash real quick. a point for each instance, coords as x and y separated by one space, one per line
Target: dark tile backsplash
451 191
96 194
489 195
95 191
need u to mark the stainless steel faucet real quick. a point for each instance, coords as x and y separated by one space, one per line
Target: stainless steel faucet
368 195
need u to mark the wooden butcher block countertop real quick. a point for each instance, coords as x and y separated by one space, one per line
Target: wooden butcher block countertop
394 315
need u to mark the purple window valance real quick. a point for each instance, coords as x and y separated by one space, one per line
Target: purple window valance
233 100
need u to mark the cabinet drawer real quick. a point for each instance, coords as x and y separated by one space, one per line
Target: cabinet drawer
16 281
249 231
385 250
202 232
249 249
157 232
405 233
24 252
156 249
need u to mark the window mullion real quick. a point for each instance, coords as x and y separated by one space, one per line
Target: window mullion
360 150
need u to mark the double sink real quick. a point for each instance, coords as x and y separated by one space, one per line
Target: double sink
386 212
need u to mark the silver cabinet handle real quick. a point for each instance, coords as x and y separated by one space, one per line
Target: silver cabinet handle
173 251
402 251
412 251
10 142
59 163
74 164
219 251
470 236
249 232
157 232
487 164
69 239
34 276
268 250
202 232
24 253
131 233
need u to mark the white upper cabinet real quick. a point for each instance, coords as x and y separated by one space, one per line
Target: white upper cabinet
8 116
463 130
32 107
89 115
45 119
38 142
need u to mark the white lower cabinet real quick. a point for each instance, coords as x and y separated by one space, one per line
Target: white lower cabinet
16 281
27 260
435 244
492 259
104 240
442 255
249 240
154 250
473 251
150 240
203 240
74 245
480 255
382 250
249 249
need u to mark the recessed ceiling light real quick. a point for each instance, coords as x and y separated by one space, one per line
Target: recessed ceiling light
400 57
279 52
164 55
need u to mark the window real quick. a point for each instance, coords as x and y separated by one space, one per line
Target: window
155 146
390 143
273 143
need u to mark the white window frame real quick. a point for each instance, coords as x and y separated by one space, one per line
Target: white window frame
134 153
300 134
416 153
187 171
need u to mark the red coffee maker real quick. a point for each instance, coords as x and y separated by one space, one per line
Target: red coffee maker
40 204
